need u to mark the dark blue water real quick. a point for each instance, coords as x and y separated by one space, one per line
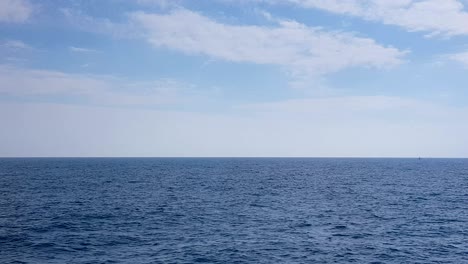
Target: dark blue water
233 210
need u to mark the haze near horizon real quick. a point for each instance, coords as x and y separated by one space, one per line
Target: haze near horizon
233 78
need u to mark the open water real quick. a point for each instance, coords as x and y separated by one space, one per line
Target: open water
164 210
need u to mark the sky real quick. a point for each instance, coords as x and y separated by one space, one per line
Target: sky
234 78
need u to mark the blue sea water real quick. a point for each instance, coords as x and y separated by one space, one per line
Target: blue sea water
164 210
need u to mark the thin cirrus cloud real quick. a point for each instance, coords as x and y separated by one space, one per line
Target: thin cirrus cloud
301 49
15 45
104 26
15 11
14 51
160 3
437 17
82 50
461 57
95 89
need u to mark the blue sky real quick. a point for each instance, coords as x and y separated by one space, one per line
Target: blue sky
234 78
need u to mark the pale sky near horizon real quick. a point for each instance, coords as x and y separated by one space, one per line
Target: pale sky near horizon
317 78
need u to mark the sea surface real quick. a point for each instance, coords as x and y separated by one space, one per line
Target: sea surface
233 210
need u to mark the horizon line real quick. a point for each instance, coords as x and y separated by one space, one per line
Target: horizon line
232 157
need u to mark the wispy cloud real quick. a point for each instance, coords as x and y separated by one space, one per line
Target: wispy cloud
100 25
82 50
15 51
300 49
305 53
15 45
461 57
15 11
96 89
437 17
159 3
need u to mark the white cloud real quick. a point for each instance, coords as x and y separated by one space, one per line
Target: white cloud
438 17
460 57
81 50
298 48
100 25
14 51
15 11
96 89
159 3
15 45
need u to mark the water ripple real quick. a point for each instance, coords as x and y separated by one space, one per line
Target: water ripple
233 211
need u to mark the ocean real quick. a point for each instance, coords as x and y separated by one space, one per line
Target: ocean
233 210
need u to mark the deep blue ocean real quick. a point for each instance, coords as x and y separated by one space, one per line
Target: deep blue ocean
233 210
